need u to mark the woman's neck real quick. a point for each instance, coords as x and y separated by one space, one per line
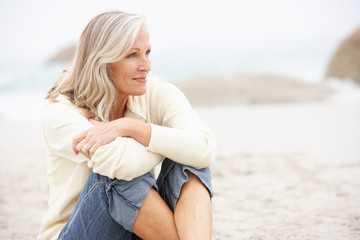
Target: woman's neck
119 109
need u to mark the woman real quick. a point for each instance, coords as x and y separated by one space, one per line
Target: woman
107 126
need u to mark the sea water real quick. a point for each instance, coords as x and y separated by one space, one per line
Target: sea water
22 91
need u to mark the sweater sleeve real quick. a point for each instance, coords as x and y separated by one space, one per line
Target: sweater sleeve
124 158
180 135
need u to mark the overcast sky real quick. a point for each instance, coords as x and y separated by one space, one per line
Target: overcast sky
32 31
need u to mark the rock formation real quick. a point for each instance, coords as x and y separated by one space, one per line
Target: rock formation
65 55
345 64
250 89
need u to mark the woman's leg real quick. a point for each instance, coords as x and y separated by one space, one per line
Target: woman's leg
193 211
108 208
155 220
91 218
188 193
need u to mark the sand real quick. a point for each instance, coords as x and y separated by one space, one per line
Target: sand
284 171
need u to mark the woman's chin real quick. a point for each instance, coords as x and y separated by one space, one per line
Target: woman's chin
139 92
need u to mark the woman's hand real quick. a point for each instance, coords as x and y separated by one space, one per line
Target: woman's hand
101 134
87 142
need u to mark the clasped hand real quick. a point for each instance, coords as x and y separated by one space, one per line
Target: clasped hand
88 141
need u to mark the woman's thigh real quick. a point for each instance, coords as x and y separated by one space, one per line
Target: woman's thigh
107 208
172 177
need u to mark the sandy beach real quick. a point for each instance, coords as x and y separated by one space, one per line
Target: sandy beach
285 170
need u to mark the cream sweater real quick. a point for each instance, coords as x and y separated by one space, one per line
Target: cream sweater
176 133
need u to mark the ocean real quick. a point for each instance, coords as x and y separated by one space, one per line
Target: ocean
24 85
22 93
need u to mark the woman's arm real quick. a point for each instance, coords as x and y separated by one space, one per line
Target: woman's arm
105 132
178 133
123 158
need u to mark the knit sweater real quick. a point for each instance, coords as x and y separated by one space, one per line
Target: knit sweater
176 133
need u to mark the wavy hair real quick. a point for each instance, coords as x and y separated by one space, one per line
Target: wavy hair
87 83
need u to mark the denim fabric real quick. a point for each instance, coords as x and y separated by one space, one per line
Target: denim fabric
107 208
173 175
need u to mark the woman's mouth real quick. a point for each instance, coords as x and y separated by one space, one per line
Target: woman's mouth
140 79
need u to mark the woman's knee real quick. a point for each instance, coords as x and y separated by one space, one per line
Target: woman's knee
174 175
195 186
126 197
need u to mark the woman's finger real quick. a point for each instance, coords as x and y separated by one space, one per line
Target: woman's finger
76 140
86 146
93 149
84 143
85 151
83 148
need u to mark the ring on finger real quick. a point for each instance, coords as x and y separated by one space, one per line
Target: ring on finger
87 149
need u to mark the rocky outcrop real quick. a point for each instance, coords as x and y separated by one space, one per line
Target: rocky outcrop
345 64
250 89
65 55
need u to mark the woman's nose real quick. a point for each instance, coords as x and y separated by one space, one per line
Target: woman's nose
145 65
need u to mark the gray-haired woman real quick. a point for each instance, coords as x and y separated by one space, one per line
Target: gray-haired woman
107 126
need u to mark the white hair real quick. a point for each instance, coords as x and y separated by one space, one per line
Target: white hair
106 39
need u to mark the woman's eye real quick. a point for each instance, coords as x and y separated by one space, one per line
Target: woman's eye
148 52
131 55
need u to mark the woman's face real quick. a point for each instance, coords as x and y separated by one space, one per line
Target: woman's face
130 73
